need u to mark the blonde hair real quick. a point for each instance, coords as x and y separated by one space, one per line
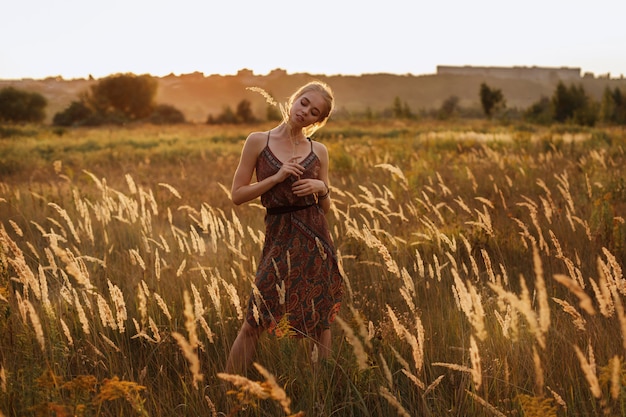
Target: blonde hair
318 86
327 95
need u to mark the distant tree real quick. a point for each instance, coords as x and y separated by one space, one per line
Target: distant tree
491 100
21 106
563 103
572 104
449 108
407 112
619 98
613 106
272 113
244 112
608 105
397 107
76 114
165 114
124 96
539 112
401 109
227 116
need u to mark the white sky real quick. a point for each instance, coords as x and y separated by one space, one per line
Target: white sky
76 38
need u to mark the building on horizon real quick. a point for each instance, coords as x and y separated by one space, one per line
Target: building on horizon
544 74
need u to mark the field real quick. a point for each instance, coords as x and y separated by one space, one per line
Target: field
483 269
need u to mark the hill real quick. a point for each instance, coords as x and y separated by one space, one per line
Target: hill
197 95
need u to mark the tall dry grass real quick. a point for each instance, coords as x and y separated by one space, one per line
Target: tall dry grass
482 266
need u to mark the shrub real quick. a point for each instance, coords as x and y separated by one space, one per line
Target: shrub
243 114
21 106
76 114
540 112
449 108
125 95
165 114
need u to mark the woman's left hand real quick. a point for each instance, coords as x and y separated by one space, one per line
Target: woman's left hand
308 186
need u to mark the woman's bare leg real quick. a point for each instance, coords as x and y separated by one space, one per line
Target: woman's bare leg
243 350
323 342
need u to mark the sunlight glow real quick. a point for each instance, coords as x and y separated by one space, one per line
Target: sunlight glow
157 37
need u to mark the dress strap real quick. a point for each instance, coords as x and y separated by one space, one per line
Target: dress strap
268 138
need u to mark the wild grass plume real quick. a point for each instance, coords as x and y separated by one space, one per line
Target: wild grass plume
483 267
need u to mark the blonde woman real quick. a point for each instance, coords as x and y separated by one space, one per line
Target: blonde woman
298 280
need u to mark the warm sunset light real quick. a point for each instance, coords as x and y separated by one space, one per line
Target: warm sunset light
75 39
312 208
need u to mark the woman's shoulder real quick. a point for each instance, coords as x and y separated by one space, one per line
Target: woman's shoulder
319 148
256 140
257 137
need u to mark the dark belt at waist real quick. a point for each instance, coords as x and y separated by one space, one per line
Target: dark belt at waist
286 209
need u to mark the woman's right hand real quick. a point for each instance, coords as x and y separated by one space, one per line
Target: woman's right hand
291 167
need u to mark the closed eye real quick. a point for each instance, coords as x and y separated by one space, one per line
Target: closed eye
305 103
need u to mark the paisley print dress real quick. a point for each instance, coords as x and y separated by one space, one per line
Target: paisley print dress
298 287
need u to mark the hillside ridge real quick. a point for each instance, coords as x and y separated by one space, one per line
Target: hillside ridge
198 95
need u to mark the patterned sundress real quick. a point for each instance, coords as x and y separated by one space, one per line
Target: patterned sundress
299 284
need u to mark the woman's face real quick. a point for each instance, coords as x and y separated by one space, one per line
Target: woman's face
307 109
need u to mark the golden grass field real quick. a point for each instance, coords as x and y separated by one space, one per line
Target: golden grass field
483 269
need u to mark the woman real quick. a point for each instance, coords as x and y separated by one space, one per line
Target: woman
298 286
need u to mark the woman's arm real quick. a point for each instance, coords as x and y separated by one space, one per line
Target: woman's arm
322 154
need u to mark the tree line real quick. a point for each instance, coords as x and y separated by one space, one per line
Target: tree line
124 98
568 104
117 99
